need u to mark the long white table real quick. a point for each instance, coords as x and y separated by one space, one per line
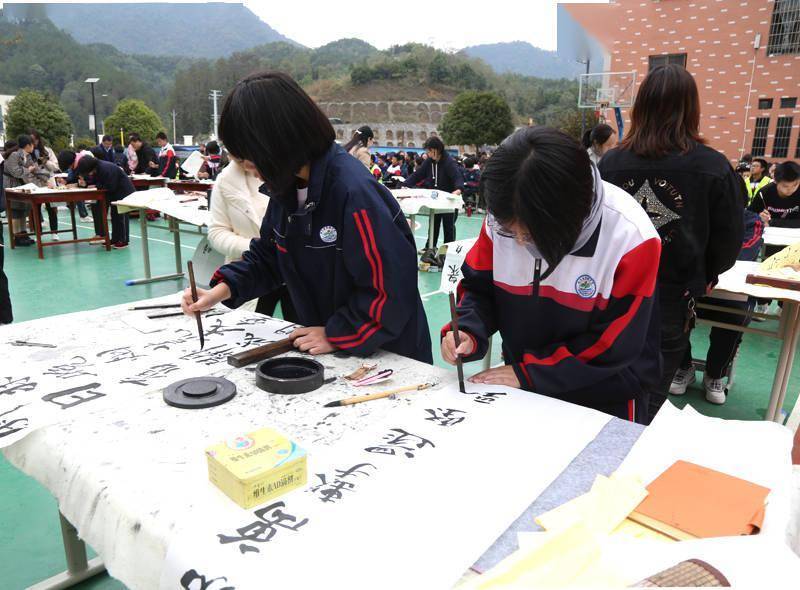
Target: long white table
416 201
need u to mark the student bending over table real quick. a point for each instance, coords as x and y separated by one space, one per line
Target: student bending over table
117 185
331 233
566 276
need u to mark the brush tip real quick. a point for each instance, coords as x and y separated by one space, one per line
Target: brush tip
335 404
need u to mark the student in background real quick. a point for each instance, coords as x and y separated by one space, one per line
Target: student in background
214 162
167 165
6 315
565 270
758 178
778 203
111 178
359 145
68 163
472 181
105 149
334 236
723 343
19 168
141 157
47 162
693 198
237 210
439 171
598 140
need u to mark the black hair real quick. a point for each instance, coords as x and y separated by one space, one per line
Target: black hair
763 162
162 135
66 158
748 157
107 138
212 147
597 135
362 136
787 172
9 148
434 143
134 137
517 183
24 141
86 165
470 162
269 120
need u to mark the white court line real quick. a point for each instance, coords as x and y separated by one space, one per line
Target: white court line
149 239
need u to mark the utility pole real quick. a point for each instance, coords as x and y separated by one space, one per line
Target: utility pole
215 95
93 118
174 132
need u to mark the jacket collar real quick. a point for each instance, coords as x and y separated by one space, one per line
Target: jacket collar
316 182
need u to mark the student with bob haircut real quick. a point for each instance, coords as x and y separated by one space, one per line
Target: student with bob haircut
567 276
693 197
331 233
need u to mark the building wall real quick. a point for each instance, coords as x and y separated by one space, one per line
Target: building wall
390 134
718 38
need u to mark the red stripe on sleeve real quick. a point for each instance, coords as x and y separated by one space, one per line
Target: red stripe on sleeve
480 256
381 300
611 333
637 270
559 355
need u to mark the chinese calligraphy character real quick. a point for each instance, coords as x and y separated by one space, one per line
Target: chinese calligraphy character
254 320
262 530
250 339
445 417
218 328
115 355
76 368
286 330
209 356
489 397
74 396
402 441
453 273
188 579
182 336
9 427
155 372
332 491
15 385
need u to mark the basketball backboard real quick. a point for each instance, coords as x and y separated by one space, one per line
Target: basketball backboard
606 90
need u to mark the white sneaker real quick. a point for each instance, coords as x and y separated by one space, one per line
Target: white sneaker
681 381
54 237
87 218
715 390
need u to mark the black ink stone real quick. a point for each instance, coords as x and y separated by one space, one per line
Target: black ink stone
289 375
199 392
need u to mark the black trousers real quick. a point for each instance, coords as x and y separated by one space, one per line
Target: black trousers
120 226
97 219
449 222
267 303
723 343
674 308
6 317
82 212
52 216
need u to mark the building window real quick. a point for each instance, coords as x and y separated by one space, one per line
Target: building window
797 149
784 32
670 58
765 103
788 102
760 136
781 146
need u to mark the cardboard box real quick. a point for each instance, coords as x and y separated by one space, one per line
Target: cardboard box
257 467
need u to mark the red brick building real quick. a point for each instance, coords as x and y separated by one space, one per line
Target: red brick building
744 55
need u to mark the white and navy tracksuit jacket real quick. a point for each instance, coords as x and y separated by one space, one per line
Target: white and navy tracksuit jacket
348 259
584 332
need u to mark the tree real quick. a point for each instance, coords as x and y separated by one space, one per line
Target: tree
33 110
476 118
133 116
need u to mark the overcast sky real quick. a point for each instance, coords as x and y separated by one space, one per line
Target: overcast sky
441 23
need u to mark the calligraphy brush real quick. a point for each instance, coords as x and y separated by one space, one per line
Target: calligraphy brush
159 306
197 314
366 398
457 338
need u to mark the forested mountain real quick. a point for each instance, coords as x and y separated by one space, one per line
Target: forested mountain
212 29
519 57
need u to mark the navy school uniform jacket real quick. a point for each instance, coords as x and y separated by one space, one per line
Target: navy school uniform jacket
348 259
585 332
113 179
445 175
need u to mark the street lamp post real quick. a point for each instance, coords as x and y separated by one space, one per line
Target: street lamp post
93 118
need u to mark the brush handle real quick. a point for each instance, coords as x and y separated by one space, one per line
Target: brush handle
457 339
366 398
260 353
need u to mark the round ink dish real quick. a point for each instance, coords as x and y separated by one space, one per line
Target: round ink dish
289 375
197 393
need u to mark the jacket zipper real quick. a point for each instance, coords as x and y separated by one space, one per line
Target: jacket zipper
537 270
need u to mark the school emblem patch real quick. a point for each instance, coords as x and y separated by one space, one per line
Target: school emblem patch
328 234
585 286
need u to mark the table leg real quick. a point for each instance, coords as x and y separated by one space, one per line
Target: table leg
37 227
72 206
10 216
431 223
176 240
104 210
78 568
788 330
149 278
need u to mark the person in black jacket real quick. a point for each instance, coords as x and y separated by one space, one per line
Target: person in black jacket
117 185
439 171
105 149
778 203
332 234
140 155
692 196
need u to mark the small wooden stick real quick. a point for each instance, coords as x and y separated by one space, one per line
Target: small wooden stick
457 338
197 314
160 306
260 353
366 398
